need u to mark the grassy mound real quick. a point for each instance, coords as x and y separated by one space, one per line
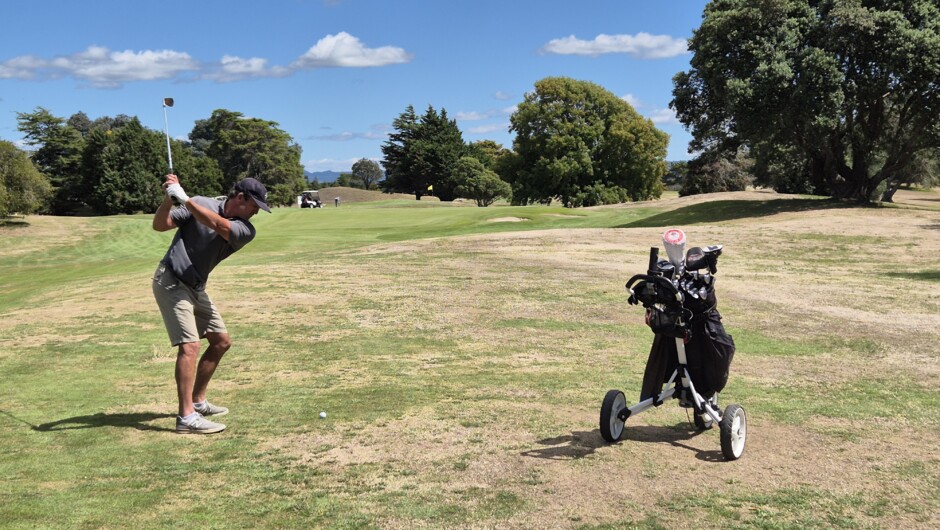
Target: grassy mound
354 195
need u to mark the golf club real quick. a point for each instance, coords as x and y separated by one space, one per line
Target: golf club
167 102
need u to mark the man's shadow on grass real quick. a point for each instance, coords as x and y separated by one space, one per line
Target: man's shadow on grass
580 444
137 420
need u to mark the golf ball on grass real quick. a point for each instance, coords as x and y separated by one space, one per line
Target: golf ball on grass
323 414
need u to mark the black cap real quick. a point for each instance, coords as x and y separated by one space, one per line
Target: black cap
256 191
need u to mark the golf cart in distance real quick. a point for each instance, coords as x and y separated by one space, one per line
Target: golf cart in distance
309 199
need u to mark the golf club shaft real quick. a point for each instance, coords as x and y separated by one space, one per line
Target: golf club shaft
166 129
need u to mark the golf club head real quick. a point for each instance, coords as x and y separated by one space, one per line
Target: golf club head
167 102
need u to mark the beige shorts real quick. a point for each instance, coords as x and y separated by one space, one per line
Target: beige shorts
187 314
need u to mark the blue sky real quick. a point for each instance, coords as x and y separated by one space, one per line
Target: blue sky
334 74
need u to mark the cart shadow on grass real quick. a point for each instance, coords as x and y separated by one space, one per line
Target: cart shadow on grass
137 420
580 444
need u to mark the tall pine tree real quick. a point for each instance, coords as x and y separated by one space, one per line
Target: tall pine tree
421 155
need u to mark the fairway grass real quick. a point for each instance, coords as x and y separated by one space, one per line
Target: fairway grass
462 355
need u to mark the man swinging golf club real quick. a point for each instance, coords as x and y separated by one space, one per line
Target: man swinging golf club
208 231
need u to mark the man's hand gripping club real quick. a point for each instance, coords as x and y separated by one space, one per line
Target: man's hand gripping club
174 190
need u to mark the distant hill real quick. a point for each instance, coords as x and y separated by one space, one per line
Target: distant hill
322 176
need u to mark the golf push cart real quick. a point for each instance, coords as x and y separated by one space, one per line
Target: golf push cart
690 343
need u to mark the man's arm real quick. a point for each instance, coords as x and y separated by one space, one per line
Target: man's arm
162 220
216 222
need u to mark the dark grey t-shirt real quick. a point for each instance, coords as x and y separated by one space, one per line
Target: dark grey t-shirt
197 249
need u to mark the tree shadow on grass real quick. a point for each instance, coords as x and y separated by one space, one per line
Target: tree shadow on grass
140 421
929 276
10 222
717 211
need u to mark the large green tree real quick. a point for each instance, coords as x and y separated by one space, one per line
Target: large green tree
833 96
57 153
572 135
474 181
368 172
123 164
121 169
712 174
422 153
252 147
23 189
397 156
487 152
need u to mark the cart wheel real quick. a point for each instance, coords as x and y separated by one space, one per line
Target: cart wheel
733 432
703 422
611 425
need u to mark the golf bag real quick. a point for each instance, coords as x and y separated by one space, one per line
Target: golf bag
680 302
709 350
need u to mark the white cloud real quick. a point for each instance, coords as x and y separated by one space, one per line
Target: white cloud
641 46
502 96
485 115
663 116
473 116
104 68
486 129
238 66
631 99
345 51
24 67
377 132
233 68
344 136
655 115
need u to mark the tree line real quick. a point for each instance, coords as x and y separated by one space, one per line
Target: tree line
115 165
829 97
575 142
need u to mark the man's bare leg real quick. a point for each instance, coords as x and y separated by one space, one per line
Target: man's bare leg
219 343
